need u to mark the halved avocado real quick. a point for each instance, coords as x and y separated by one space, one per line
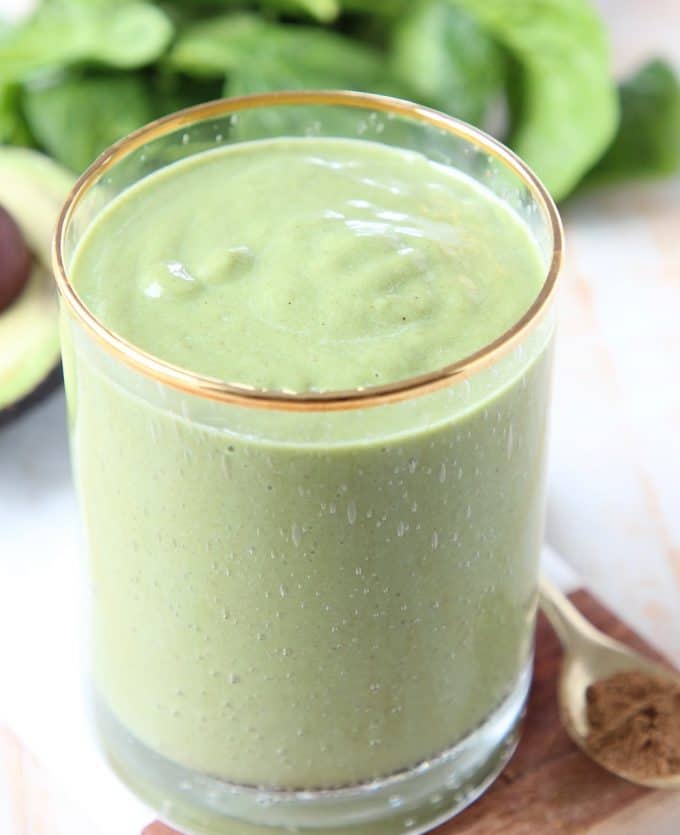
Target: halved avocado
32 189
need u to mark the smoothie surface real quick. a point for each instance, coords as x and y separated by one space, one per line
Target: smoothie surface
308 264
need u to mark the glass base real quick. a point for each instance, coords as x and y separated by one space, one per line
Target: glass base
407 803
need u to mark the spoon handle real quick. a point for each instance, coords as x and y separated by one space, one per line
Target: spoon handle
569 624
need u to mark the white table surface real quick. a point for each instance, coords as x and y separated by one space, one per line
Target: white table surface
614 497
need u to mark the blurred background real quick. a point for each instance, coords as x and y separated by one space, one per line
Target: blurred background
587 92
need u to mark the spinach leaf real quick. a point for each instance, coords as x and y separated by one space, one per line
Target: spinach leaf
324 11
172 91
567 113
64 32
13 127
326 63
648 140
215 46
76 118
448 59
378 8
258 55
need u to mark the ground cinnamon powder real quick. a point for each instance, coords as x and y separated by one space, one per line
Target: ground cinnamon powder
634 723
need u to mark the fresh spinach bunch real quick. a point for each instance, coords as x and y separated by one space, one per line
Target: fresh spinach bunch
80 74
647 142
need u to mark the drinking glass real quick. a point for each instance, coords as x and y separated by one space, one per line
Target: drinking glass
309 611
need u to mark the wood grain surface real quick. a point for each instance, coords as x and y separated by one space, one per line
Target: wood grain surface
550 787
31 801
614 492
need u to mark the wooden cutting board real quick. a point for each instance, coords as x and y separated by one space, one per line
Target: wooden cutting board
548 788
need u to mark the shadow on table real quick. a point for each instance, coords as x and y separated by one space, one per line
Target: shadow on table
34 457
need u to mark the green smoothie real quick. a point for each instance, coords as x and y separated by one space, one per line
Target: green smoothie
316 599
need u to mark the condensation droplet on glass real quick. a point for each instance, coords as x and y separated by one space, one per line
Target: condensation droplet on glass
435 540
351 513
226 466
296 534
442 472
511 442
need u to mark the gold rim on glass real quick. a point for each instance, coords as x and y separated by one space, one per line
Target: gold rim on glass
215 389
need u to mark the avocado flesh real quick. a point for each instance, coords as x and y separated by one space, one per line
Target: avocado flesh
29 339
32 189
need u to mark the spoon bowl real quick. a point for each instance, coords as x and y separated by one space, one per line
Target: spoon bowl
590 656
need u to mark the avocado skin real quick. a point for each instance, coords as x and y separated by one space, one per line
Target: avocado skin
43 389
32 189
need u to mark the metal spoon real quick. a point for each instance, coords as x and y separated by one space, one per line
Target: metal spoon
590 655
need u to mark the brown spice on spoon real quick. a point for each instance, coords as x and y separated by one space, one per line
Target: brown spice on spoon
634 723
